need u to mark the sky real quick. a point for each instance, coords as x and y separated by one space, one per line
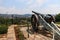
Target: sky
26 6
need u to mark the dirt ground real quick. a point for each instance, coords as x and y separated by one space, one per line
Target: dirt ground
42 35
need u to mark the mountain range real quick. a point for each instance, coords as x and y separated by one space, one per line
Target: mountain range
15 15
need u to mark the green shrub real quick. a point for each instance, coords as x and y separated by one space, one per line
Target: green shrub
57 22
57 17
21 36
3 29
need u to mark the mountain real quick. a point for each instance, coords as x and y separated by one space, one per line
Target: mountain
15 15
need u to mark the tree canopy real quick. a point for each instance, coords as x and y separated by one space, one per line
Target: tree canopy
57 17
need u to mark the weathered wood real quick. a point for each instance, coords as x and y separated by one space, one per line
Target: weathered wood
11 33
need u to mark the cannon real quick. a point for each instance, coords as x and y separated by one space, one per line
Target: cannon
35 18
48 23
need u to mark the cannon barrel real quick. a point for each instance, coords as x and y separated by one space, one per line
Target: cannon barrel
37 13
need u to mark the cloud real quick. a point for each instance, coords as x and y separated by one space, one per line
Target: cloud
4 10
51 9
36 3
13 10
31 5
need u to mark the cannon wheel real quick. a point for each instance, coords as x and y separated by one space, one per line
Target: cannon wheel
34 22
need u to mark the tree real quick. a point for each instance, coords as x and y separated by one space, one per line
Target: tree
57 17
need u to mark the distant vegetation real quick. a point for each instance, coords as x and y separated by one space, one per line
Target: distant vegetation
16 20
57 17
